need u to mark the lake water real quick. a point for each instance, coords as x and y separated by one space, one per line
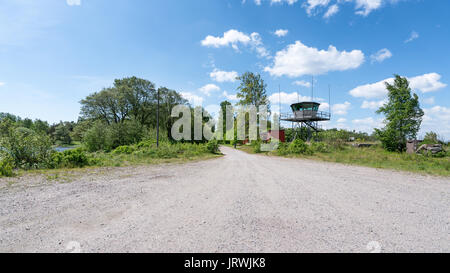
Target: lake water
62 149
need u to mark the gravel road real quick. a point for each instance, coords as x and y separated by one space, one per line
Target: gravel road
236 203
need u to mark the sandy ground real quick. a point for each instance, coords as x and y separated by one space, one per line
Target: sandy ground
237 203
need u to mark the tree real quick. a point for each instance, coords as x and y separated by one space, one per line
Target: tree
223 119
431 138
252 90
62 133
403 116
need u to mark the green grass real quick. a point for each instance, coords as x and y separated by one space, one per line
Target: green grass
376 157
379 158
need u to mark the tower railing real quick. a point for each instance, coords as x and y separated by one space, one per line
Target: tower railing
317 114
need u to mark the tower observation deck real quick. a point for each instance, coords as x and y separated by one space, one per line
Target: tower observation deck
306 115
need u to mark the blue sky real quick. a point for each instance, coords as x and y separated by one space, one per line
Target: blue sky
55 52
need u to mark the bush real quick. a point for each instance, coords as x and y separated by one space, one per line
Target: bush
213 146
283 149
98 138
27 149
6 165
298 146
126 133
76 158
320 147
256 146
124 150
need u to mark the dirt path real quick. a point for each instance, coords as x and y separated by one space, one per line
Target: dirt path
237 203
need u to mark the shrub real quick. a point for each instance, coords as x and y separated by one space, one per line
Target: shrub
298 146
256 146
6 165
124 150
283 149
213 146
126 133
76 158
98 138
27 149
320 147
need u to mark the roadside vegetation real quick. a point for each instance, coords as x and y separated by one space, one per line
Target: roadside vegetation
385 148
117 127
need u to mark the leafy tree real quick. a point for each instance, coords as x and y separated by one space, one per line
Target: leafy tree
223 118
252 90
403 115
431 138
62 133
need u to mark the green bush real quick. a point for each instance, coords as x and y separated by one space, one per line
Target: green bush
256 146
126 133
98 138
298 146
27 149
124 150
283 149
6 165
213 146
76 158
320 147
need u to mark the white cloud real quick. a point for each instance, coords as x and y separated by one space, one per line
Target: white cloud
290 2
302 83
381 55
424 83
427 83
207 89
233 38
73 2
223 76
288 98
362 7
367 124
298 59
437 119
341 120
414 35
374 105
229 96
192 98
2 83
341 109
332 10
311 5
281 32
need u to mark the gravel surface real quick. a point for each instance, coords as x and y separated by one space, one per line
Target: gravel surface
237 203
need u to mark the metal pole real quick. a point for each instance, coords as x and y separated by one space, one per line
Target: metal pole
157 123
329 99
279 105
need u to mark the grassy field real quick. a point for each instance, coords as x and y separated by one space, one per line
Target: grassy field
376 157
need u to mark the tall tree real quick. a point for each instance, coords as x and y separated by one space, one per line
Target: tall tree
252 90
403 115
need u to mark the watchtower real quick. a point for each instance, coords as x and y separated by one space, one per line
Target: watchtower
306 115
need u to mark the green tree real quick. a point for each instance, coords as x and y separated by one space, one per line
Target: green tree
252 90
403 115
431 138
62 133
